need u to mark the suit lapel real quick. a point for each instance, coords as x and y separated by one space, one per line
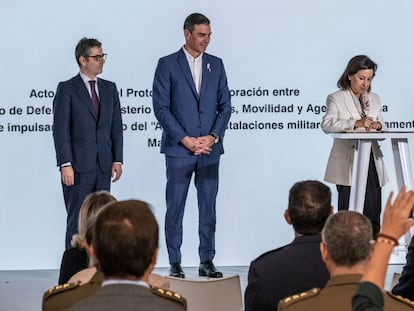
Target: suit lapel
84 94
103 97
206 69
350 105
185 68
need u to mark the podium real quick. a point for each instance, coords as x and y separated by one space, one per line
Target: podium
401 155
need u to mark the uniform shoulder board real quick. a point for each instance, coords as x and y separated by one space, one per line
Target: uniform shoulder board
169 295
300 297
60 288
401 299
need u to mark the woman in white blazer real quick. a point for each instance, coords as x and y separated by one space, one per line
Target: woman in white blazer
355 107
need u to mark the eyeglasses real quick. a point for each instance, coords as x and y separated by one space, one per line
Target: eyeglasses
98 58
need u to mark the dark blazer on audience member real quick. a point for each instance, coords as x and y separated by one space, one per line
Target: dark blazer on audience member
405 285
73 261
285 271
128 297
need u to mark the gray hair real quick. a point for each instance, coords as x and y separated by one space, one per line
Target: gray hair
347 236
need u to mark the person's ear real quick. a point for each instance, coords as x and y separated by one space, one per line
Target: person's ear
187 33
82 60
154 259
287 217
324 252
91 252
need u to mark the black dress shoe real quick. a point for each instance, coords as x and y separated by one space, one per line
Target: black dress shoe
207 268
176 270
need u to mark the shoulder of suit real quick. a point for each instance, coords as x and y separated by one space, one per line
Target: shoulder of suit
401 299
168 294
337 93
105 81
291 300
59 289
373 95
273 252
212 57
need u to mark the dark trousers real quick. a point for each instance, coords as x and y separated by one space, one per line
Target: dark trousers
372 202
179 173
85 183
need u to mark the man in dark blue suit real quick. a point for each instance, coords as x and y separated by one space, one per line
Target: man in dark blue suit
87 132
191 101
405 285
298 266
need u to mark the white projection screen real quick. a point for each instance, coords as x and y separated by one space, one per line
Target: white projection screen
282 59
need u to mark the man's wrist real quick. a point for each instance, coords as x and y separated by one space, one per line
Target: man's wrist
216 137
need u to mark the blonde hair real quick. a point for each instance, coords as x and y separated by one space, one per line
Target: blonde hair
92 204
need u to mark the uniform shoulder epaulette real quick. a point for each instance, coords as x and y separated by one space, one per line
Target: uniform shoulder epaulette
169 294
300 297
401 299
60 288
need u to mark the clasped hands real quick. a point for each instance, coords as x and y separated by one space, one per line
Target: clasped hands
198 145
368 123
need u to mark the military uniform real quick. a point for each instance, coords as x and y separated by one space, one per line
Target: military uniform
337 295
64 296
131 297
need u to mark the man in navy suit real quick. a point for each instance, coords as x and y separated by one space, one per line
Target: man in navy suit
191 101
298 266
87 131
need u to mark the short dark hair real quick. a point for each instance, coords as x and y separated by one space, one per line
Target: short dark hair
309 206
125 238
83 48
347 236
195 19
355 64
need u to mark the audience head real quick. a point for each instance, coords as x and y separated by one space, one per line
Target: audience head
309 206
92 204
355 64
125 239
346 237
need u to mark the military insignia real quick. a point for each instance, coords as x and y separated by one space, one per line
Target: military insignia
299 297
169 295
60 288
401 299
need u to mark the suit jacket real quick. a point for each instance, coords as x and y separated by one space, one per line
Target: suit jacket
66 295
61 297
337 295
285 271
129 297
181 111
341 116
73 260
80 136
405 285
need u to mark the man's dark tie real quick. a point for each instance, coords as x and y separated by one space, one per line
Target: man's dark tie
95 100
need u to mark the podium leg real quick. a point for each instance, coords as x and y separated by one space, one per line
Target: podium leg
402 163
359 175
403 171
